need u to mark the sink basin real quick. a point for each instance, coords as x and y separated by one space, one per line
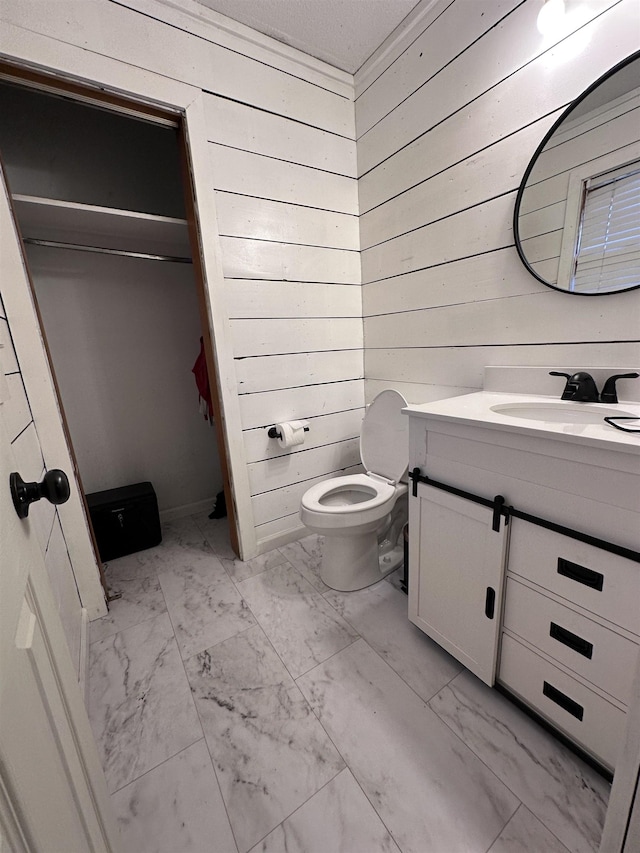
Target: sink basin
560 411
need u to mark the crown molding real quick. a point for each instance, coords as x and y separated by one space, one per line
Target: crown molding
420 17
221 30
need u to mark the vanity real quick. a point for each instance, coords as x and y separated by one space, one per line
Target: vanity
524 528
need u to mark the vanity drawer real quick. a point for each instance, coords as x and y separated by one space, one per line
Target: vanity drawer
594 579
585 717
598 654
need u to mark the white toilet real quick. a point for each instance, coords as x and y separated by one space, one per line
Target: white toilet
362 516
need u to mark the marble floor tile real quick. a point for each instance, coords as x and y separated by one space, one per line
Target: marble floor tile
204 605
306 556
175 808
140 599
181 531
395 579
339 818
216 532
269 751
130 568
556 786
379 614
431 791
181 540
140 706
302 626
525 834
240 570
445 777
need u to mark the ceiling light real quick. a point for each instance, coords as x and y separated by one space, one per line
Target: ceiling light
550 17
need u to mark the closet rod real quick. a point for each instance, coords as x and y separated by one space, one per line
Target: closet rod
55 244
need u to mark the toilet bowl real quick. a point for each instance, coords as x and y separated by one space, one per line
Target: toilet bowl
361 516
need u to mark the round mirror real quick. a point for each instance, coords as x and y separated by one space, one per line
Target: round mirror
577 214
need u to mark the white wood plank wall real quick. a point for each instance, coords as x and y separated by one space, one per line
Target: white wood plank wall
281 135
43 516
447 121
286 194
447 116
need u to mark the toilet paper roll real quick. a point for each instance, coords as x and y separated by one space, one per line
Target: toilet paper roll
291 433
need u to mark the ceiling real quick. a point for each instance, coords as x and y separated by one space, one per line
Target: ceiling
343 33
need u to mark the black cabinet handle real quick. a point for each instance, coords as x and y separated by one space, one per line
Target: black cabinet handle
581 574
563 700
498 504
573 641
490 603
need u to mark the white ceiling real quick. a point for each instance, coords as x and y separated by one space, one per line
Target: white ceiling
343 33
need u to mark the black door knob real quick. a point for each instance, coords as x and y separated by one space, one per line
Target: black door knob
54 487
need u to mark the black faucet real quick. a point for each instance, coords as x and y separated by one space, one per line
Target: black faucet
609 393
580 387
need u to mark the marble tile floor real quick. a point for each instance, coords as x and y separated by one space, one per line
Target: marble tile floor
243 707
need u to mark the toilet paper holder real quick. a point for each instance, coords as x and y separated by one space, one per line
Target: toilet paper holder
274 433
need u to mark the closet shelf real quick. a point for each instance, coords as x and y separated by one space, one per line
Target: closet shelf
87 225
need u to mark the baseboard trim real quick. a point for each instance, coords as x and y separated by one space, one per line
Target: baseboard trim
187 509
281 538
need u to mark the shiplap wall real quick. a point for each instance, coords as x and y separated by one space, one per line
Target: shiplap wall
281 135
286 197
448 116
447 119
43 517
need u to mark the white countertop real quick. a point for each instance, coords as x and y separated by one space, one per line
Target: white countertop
475 410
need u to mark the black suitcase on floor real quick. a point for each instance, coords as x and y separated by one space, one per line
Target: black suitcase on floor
125 520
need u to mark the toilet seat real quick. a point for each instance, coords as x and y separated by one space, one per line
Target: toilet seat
358 500
315 498
317 512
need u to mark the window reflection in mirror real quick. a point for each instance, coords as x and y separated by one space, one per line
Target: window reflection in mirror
577 220
606 254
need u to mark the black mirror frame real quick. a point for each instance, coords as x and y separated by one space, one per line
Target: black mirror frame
516 228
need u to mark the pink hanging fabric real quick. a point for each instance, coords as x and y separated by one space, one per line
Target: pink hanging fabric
199 370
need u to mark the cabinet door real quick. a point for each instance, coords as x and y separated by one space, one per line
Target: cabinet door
456 567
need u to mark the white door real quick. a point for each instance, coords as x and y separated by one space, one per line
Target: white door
53 795
456 566
73 562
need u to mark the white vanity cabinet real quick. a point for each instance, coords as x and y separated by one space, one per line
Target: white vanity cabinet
563 632
571 628
456 596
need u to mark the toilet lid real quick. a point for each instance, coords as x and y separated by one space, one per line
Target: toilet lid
384 439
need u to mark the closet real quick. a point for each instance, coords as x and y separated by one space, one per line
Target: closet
99 200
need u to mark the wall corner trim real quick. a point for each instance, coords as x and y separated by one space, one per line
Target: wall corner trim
228 33
397 42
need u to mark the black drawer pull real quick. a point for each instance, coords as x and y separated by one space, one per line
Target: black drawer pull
565 702
573 641
490 603
580 574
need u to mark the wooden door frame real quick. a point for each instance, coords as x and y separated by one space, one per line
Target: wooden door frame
195 241
186 112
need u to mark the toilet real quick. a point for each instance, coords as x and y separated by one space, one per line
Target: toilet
362 516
